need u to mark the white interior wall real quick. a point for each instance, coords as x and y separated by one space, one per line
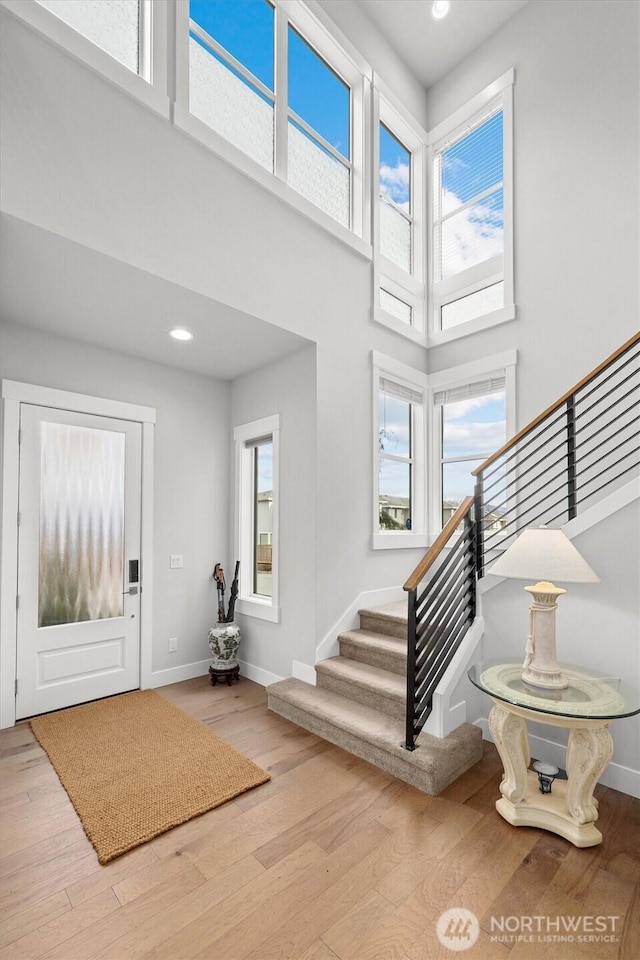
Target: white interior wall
83 160
191 472
288 388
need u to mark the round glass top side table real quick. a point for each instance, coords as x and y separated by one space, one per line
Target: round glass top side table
586 708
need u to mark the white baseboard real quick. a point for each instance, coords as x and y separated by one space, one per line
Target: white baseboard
616 775
160 678
302 671
328 646
257 674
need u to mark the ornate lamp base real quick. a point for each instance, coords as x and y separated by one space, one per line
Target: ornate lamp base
541 668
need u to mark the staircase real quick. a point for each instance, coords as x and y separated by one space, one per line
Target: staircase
375 697
359 704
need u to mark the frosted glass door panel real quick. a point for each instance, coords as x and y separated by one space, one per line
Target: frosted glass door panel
81 524
112 25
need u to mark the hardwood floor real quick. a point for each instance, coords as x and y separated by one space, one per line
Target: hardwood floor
331 859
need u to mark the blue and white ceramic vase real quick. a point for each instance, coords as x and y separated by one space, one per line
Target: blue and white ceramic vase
224 640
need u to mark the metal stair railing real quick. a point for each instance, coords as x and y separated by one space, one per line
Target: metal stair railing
555 466
440 614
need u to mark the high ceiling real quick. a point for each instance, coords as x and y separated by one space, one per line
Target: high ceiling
431 48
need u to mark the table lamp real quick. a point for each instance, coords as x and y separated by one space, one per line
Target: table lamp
543 554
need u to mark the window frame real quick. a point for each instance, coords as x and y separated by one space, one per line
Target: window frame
245 437
408 287
401 373
149 85
498 365
320 33
496 269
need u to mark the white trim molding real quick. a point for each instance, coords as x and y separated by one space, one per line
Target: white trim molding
13 394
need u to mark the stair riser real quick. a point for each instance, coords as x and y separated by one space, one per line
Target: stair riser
361 694
386 625
374 658
432 781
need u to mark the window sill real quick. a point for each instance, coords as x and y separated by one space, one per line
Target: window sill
399 541
472 326
260 609
240 161
403 329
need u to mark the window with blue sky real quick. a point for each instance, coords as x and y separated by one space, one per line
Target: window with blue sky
395 200
471 430
468 240
232 71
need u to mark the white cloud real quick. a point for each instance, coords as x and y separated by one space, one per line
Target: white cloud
394 184
472 236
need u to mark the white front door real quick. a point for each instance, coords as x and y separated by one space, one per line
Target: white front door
79 580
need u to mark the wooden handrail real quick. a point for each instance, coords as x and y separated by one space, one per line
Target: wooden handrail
558 403
434 550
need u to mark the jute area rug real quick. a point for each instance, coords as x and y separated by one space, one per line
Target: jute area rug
135 765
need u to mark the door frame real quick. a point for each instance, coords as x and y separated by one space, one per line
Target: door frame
13 393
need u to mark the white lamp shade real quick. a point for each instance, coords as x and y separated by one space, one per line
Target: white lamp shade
540 553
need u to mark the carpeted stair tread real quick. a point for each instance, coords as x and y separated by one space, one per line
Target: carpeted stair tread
389 619
376 649
364 683
375 737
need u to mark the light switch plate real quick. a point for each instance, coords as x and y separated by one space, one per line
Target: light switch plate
175 561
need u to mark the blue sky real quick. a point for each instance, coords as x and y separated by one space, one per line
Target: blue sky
246 29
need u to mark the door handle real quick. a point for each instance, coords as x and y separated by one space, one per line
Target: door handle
131 592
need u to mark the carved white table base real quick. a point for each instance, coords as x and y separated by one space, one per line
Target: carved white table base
570 809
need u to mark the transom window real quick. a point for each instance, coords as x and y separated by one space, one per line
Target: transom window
395 200
283 104
116 26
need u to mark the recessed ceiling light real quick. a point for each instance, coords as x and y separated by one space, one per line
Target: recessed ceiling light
440 8
179 334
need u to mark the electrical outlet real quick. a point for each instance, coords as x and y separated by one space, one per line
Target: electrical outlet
175 561
173 644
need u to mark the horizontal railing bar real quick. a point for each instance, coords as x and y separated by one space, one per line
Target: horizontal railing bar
434 551
450 560
423 665
532 477
535 492
597 385
558 403
444 576
434 629
607 482
561 418
517 465
530 522
629 453
608 453
440 599
427 688
613 404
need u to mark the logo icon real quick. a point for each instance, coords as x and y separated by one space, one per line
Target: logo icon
457 928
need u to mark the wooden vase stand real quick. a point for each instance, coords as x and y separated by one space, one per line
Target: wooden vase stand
229 674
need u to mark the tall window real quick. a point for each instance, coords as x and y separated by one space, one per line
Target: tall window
399 223
285 104
116 26
472 212
257 458
395 459
262 539
400 489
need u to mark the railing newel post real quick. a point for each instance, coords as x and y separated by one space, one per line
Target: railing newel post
410 740
478 523
572 497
